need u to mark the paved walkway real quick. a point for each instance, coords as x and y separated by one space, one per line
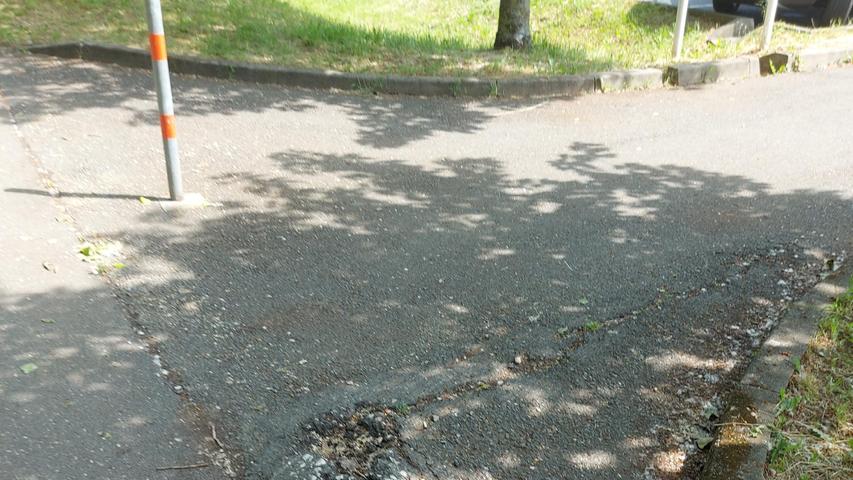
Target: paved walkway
80 396
537 289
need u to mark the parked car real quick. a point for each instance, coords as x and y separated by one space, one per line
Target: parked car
833 10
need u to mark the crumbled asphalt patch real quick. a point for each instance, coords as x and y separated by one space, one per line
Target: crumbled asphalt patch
368 442
360 443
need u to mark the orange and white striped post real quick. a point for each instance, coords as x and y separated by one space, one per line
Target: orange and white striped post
160 66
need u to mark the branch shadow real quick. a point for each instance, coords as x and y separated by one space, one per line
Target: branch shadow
343 280
38 87
100 196
90 371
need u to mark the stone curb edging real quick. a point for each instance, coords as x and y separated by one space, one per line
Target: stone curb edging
564 85
567 85
684 74
806 60
741 447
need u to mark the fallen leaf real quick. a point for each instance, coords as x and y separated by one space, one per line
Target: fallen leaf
118 265
703 442
583 301
48 320
49 267
87 251
28 368
144 201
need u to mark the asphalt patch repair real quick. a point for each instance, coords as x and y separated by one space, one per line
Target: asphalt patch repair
572 306
516 421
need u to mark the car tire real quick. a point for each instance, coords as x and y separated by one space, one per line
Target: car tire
726 6
835 10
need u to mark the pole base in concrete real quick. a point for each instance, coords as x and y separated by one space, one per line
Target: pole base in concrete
191 200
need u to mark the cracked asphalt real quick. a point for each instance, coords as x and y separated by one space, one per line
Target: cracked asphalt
515 289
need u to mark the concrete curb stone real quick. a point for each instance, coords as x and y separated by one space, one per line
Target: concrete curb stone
815 59
640 79
741 448
806 60
684 74
567 85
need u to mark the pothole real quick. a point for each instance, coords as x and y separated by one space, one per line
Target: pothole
365 442
357 444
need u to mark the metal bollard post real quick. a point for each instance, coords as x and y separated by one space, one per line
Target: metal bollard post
680 26
769 20
160 66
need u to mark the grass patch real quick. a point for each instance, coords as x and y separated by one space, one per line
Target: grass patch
403 409
592 326
813 432
410 37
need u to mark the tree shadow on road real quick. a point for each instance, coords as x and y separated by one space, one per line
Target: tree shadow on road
93 390
327 280
38 87
342 279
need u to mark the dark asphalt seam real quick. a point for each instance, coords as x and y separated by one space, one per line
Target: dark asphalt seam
233 457
579 337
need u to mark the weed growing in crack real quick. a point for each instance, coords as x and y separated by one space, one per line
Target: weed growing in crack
592 326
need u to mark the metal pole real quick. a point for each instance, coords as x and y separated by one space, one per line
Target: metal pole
160 66
769 20
680 25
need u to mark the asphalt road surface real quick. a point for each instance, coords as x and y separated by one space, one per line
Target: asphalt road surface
448 289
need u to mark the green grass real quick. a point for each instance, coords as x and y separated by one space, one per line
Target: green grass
411 37
592 326
813 433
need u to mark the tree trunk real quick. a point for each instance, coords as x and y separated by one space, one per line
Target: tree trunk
513 24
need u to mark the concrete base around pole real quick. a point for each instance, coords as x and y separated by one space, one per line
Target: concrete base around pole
191 200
